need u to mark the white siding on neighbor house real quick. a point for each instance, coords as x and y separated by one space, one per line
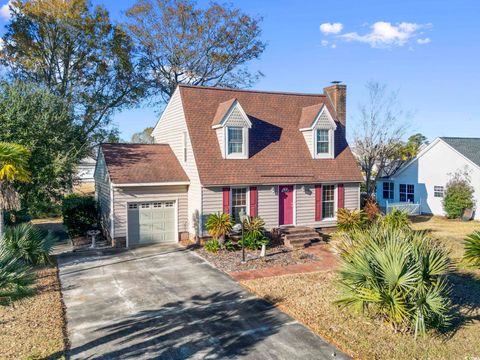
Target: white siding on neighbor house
433 167
102 194
170 130
124 195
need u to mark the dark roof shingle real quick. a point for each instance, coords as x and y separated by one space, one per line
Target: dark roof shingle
468 147
142 163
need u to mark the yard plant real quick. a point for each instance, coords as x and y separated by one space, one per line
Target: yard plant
396 219
79 214
212 245
15 277
29 243
472 249
254 233
218 226
458 196
395 274
349 220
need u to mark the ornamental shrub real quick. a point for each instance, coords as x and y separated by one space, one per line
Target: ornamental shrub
79 214
350 220
396 275
458 195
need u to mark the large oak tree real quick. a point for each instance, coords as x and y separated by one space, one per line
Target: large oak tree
179 42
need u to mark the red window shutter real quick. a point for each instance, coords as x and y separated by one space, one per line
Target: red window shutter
253 201
226 200
318 202
341 196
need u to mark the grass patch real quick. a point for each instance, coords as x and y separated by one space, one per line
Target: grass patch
309 299
33 328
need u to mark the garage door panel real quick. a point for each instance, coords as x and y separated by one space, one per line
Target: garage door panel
152 222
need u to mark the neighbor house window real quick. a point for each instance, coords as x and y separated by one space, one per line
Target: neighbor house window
407 193
239 202
388 190
323 142
438 191
328 201
235 140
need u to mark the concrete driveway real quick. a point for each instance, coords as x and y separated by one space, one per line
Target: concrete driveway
167 303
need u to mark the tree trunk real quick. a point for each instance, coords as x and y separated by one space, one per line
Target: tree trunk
2 225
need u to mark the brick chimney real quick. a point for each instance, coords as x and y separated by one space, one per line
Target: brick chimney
337 93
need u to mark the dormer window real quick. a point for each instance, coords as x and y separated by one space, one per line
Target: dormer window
231 124
323 142
235 140
318 128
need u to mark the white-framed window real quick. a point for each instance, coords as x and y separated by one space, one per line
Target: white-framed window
238 202
323 143
438 191
388 190
235 143
328 201
407 193
185 146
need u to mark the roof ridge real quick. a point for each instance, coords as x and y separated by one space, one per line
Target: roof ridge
134 144
459 137
250 90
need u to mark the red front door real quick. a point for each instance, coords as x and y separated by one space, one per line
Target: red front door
285 208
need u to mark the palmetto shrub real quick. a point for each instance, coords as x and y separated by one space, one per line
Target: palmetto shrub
472 248
396 219
349 220
28 243
397 275
218 225
15 276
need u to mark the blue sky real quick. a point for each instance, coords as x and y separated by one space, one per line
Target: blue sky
429 50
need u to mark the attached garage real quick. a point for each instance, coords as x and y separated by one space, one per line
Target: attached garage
142 192
151 222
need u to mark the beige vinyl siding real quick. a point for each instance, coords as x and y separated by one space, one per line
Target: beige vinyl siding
212 203
169 130
308 136
220 135
268 205
352 196
124 195
102 194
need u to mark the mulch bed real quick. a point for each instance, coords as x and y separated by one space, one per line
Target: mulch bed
33 327
279 255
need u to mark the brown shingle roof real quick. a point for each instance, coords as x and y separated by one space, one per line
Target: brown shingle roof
308 115
222 111
142 163
278 151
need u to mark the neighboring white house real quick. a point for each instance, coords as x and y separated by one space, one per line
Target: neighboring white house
423 179
86 170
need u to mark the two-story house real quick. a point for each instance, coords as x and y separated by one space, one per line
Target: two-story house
281 156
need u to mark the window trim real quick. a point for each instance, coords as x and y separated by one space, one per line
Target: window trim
244 153
406 192
437 191
391 190
247 199
331 144
335 202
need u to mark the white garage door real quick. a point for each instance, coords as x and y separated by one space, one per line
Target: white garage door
151 222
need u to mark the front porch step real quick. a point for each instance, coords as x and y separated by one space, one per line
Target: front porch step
300 237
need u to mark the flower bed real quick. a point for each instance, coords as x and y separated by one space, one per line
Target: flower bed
278 255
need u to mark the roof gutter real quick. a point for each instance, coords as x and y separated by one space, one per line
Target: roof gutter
152 184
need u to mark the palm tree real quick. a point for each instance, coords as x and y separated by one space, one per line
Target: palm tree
13 167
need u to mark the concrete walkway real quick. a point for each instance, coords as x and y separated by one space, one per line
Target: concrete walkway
327 262
167 303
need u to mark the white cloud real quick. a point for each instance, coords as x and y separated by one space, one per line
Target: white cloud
331 28
423 41
325 42
5 10
386 34
333 46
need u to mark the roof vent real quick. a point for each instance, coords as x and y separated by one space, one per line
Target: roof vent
336 82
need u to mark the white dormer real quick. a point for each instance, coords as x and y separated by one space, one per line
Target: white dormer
231 124
318 128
